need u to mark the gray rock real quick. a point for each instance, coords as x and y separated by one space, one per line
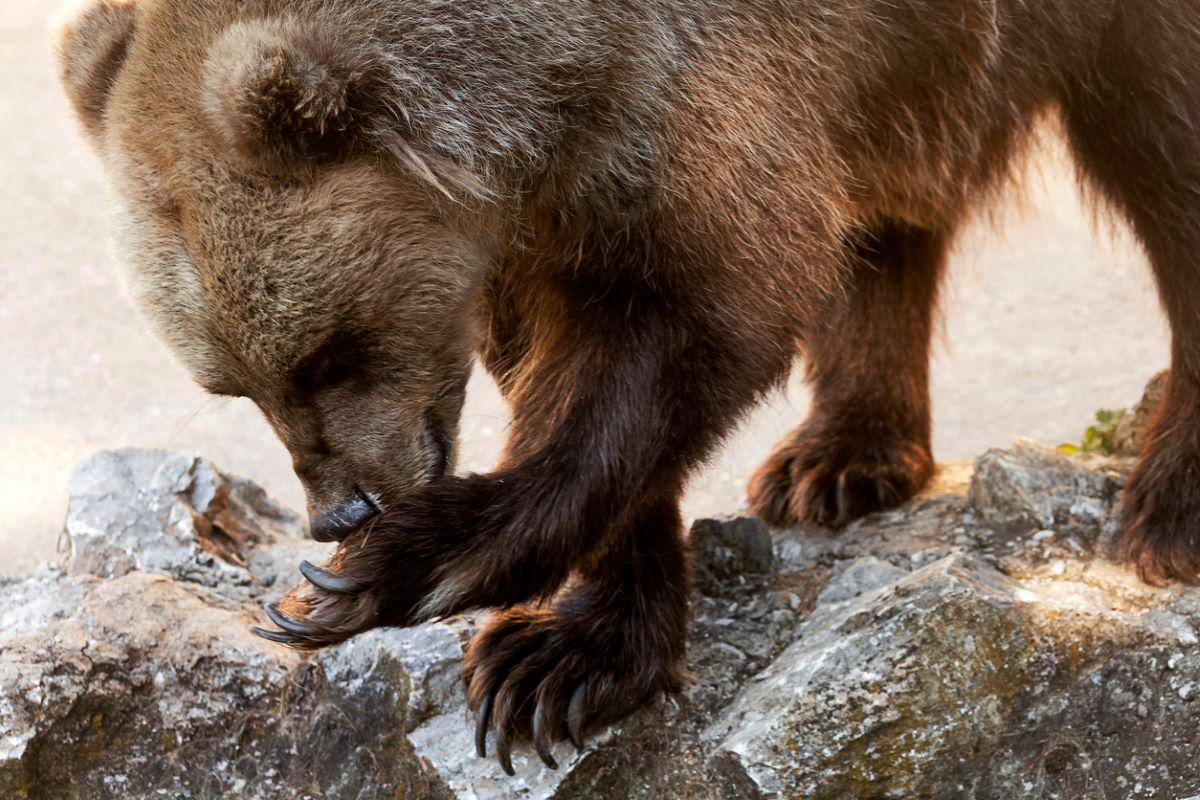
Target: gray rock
852 579
170 513
731 550
130 671
1034 486
1127 440
148 687
429 657
923 688
976 643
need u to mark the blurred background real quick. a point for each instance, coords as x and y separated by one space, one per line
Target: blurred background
1047 317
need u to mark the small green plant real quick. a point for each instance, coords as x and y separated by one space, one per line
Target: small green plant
1100 437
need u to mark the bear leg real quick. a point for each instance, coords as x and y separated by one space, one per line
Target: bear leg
604 647
1131 122
866 444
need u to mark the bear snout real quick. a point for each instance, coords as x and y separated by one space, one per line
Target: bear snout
339 522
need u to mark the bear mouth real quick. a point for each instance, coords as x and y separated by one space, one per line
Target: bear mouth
337 523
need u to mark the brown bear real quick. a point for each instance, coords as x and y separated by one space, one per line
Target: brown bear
635 215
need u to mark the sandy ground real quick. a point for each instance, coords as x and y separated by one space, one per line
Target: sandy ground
1046 319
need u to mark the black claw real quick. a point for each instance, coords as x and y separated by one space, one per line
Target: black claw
504 754
541 736
287 623
575 716
482 718
324 579
843 501
883 492
280 637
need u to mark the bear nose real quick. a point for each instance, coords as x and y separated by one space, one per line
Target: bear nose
339 522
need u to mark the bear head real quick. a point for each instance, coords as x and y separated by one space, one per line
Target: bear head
282 235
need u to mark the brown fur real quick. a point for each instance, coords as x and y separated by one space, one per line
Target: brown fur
636 215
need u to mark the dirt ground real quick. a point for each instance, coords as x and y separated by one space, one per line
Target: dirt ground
1047 318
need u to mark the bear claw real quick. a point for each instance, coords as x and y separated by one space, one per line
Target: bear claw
482 719
279 637
504 753
575 716
541 736
324 579
288 624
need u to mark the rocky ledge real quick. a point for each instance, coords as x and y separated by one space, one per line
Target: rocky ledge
979 642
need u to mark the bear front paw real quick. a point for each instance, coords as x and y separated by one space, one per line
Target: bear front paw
534 675
328 608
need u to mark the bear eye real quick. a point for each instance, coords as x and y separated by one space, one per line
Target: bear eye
342 357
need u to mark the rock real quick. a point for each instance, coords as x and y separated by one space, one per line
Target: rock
1033 485
141 686
171 513
131 672
1127 441
736 549
429 657
979 642
922 687
851 579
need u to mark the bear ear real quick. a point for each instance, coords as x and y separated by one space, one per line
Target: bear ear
277 90
91 43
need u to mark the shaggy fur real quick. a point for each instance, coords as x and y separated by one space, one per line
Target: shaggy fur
635 214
